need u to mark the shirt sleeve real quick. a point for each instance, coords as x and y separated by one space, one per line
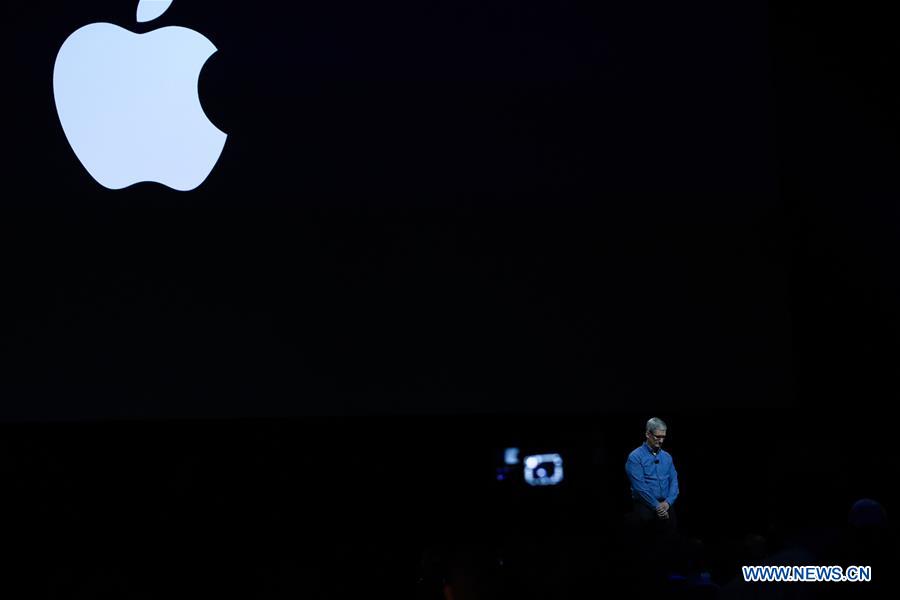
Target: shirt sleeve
673 484
636 476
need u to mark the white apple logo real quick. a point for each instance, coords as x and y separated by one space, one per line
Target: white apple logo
129 103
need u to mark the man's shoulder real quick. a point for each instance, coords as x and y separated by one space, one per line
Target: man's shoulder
636 453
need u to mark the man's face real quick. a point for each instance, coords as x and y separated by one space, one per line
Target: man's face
656 438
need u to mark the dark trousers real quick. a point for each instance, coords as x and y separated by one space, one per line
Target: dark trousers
656 538
652 524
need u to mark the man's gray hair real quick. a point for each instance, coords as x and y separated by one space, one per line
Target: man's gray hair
655 424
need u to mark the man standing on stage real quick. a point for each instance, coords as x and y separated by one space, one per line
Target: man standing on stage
654 481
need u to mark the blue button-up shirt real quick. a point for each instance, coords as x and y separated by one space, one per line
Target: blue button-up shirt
652 481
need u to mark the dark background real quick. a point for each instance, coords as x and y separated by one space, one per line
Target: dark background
460 207
436 231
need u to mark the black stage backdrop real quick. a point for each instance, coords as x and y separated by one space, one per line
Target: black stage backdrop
439 208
